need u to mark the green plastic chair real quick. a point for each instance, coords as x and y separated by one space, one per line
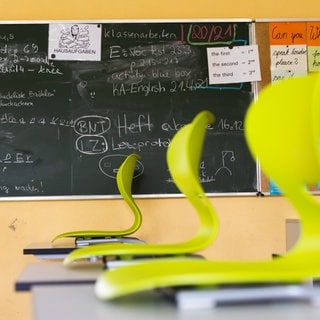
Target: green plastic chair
124 183
282 129
185 173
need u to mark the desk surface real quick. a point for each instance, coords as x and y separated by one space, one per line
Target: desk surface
79 302
54 272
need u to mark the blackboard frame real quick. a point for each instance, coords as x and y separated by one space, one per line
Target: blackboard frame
144 195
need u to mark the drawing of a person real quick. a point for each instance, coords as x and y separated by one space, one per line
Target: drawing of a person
75 37
75 31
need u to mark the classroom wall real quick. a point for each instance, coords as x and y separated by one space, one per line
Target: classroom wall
250 227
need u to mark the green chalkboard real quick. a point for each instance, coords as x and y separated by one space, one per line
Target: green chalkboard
66 125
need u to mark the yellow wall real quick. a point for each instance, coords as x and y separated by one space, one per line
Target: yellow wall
250 227
103 9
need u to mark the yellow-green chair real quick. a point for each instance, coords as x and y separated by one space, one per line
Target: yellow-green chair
186 176
283 131
124 183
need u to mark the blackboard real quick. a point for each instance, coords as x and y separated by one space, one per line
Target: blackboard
66 125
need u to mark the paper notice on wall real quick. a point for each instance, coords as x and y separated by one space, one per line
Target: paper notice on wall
233 64
285 57
74 41
288 50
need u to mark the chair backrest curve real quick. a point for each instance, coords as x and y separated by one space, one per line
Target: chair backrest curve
125 176
183 158
291 157
124 180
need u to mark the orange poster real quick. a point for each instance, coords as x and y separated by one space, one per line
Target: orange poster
287 33
313 33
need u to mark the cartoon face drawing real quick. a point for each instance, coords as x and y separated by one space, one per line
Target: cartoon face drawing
75 31
75 37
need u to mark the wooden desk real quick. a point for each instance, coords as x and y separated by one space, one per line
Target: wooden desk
79 302
55 273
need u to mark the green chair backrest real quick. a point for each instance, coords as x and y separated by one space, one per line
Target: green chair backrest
283 132
124 183
125 176
183 157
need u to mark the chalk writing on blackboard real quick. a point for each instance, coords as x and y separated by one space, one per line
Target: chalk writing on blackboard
109 165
